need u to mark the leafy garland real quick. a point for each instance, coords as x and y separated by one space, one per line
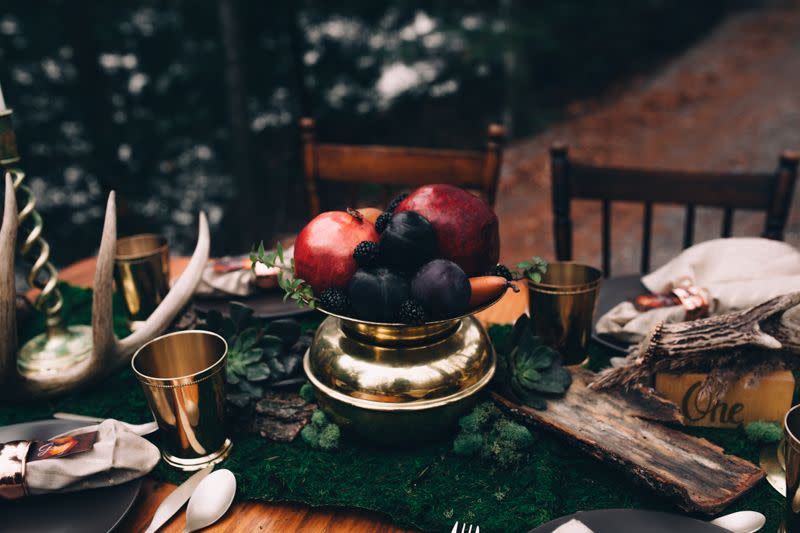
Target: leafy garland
295 288
533 269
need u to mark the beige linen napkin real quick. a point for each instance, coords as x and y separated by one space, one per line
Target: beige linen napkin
738 273
239 283
117 456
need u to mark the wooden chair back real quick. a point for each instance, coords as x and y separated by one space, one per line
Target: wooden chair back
393 166
768 192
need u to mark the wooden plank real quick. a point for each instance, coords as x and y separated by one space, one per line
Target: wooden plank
710 189
693 472
399 166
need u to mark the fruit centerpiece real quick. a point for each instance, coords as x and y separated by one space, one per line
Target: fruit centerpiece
400 357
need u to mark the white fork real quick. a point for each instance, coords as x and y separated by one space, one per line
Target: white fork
139 429
464 528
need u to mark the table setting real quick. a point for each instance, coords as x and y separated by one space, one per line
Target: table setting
352 366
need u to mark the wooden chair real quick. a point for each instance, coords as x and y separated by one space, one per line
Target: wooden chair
399 167
769 192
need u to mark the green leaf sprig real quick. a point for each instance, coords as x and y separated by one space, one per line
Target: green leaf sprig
533 269
294 288
531 370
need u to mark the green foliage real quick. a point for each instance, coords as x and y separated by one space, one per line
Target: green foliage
321 433
531 370
761 431
295 288
533 269
255 350
485 432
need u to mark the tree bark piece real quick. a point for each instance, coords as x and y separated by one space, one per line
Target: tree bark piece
695 473
757 340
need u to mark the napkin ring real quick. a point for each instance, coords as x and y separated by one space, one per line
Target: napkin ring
12 469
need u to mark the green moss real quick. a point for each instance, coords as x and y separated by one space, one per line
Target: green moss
426 487
329 437
485 432
307 392
319 419
765 432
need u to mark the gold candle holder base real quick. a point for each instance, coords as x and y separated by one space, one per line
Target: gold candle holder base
55 351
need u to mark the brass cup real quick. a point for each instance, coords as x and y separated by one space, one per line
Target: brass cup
141 272
183 378
562 306
791 428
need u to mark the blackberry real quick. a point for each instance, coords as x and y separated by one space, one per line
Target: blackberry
502 271
411 312
394 203
366 253
383 221
334 300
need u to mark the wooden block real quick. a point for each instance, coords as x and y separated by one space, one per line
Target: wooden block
768 400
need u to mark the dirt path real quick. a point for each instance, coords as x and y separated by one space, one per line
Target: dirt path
730 102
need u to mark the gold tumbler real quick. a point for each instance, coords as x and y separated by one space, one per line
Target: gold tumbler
183 378
141 272
791 428
562 306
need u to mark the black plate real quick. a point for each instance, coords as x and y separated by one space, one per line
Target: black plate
265 304
612 292
633 521
88 511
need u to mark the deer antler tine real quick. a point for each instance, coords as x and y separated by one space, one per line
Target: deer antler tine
103 339
178 296
8 309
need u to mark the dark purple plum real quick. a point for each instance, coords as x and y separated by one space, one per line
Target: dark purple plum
377 294
408 242
442 288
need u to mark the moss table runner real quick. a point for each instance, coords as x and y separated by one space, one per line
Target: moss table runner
426 488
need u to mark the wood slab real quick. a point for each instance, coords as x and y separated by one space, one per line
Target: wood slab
693 472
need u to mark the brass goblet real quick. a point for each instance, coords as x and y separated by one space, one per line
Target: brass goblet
183 378
141 273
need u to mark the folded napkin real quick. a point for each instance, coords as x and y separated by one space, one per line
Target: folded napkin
232 276
573 526
117 456
737 272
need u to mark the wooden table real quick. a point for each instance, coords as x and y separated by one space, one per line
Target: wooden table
267 517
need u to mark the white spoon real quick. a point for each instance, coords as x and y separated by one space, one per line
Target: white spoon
211 499
741 522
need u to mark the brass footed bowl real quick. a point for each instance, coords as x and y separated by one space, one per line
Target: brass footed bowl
399 384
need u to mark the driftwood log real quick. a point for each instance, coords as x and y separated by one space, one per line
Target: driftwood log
619 430
754 341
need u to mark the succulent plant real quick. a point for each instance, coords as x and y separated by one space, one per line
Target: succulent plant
259 353
530 369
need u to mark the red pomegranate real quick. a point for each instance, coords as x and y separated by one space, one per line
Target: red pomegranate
323 252
466 227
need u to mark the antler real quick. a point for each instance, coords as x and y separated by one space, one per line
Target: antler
108 353
8 291
758 339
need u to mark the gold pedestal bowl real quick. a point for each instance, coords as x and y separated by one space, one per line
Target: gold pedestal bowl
396 383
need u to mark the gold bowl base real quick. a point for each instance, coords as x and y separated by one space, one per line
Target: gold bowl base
398 384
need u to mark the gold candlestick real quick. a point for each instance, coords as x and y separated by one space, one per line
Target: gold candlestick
60 347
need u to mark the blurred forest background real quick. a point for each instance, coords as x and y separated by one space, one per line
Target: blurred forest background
185 105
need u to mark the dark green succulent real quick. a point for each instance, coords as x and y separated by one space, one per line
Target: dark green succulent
530 369
258 353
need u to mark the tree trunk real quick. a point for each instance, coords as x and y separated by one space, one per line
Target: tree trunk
249 209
